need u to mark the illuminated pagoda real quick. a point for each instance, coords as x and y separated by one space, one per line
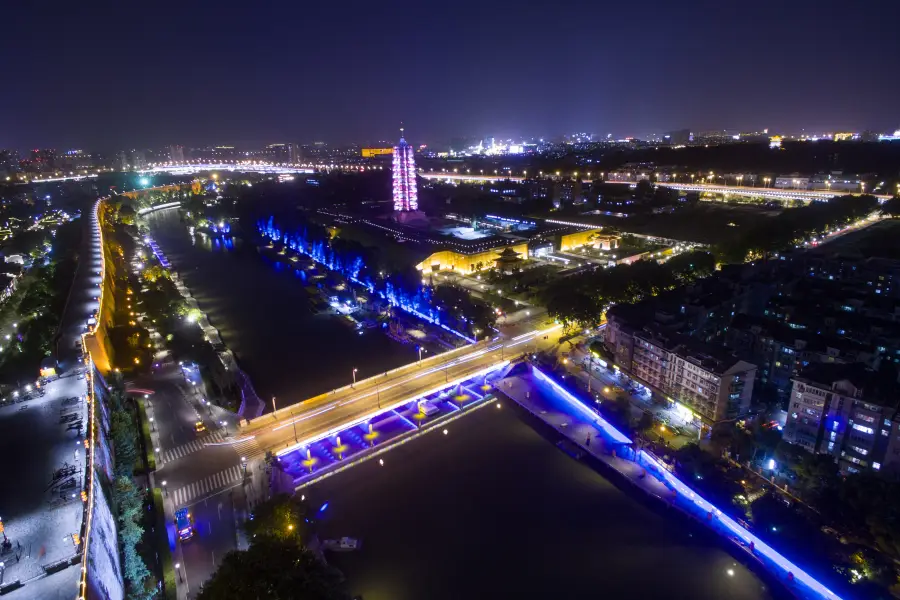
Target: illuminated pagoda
406 197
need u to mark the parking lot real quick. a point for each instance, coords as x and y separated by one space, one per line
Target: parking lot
42 475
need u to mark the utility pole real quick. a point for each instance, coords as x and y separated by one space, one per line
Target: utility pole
590 368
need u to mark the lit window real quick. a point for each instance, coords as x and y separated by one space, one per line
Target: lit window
876 466
863 428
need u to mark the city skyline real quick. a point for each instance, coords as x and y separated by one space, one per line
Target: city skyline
303 76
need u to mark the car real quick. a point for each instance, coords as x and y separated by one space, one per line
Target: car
184 524
199 427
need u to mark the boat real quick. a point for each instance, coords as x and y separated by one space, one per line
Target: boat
344 544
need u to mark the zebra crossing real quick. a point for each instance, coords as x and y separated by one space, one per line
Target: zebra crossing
247 448
213 483
193 446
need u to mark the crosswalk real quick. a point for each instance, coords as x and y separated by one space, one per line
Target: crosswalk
247 448
193 446
208 485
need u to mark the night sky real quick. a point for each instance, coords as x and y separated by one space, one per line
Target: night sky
109 75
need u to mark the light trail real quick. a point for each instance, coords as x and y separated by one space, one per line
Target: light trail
362 419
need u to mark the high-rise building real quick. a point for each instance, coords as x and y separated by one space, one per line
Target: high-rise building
406 197
176 154
139 160
9 162
43 161
680 137
293 153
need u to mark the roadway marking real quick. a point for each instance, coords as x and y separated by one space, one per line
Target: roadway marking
191 447
247 448
207 485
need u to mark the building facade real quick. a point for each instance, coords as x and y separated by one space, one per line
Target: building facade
834 411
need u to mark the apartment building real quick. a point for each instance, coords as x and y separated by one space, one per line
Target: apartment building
845 412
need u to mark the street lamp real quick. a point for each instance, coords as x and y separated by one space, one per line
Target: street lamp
165 489
274 409
354 376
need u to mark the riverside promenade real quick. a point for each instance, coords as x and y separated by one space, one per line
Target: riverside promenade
548 400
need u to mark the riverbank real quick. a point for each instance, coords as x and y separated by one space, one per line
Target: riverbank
251 406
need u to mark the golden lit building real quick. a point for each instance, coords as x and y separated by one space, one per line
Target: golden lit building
593 237
444 260
373 152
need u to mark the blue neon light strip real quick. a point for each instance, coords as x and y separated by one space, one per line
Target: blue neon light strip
736 529
759 545
411 424
392 407
611 431
369 286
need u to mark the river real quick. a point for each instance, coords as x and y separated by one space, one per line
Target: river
261 310
493 510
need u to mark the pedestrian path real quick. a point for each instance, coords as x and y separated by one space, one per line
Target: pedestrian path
183 450
206 486
248 448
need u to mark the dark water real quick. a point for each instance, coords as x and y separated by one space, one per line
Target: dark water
493 510
262 313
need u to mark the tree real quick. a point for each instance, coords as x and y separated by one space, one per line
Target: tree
643 190
123 435
690 266
645 422
128 501
154 272
280 517
891 208
273 569
126 215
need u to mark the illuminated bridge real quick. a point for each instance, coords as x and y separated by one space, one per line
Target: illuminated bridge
189 168
755 192
247 167
300 425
